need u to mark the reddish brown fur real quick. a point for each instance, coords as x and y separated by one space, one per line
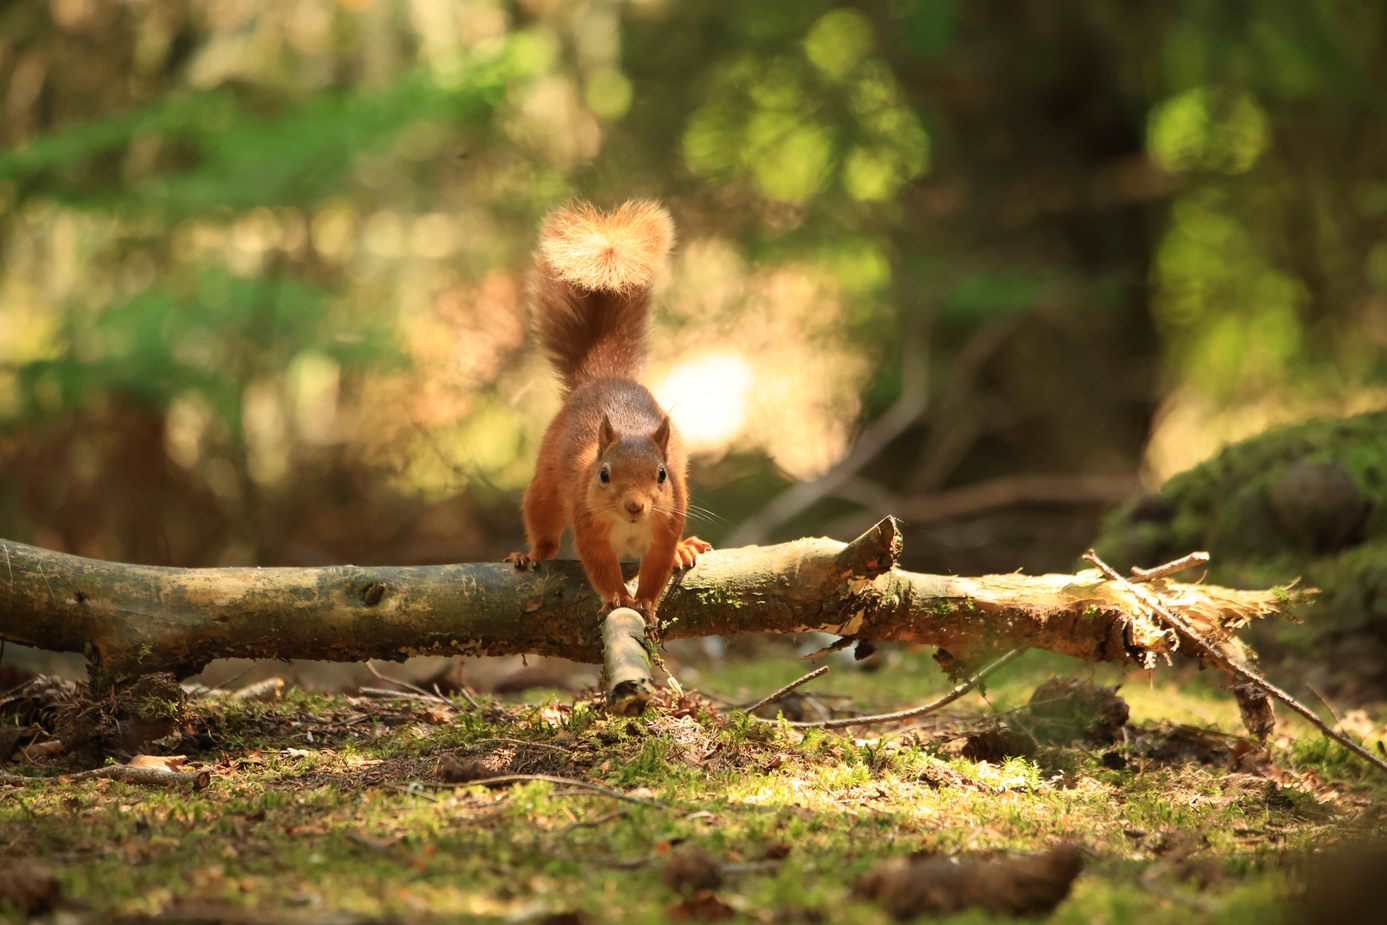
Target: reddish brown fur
592 298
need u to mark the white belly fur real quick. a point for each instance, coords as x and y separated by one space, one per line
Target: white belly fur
630 541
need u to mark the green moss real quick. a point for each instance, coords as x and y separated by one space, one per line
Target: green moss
942 607
334 824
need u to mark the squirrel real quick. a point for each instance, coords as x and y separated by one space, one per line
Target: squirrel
611 464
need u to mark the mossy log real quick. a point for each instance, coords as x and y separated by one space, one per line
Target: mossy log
137 619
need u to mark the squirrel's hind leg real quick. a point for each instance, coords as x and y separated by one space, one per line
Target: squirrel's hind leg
544 525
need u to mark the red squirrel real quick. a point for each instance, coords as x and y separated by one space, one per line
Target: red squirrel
611 465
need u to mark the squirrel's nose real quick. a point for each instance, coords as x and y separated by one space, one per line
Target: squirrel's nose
635 507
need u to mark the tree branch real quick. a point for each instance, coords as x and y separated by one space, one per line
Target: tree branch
1227 661
933 706
869 444
137 619
626 665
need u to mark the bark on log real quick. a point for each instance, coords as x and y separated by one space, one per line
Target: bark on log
137 619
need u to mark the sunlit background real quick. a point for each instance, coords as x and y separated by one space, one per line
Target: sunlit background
264 263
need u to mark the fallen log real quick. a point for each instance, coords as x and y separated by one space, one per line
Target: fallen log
138 619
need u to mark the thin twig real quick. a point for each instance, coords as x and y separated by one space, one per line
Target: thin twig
552 779
270 688
1175 567
398 695
870 443
589 823
224 686
829 649
978 498
526 742
958 691
370 666
149 777
773 697
1179 624
44 749
1013 491
466 695
13 693
1327 705
963 408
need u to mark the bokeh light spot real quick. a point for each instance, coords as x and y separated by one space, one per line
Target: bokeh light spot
707 397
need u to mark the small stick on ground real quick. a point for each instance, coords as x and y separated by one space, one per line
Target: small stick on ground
388 694
1174 567
552 779
528 743
426 695
268 689
829 649
590 823
777 695
1327 705
148 777
43 749
959 690
466 695
1243 673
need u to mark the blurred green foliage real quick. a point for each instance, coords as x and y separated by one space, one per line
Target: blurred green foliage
207 338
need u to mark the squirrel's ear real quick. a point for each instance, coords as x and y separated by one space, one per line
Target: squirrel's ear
606 436
661 435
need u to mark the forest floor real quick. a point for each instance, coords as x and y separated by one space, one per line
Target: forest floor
325 809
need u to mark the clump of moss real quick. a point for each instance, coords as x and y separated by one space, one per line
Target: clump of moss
1305 503
125 720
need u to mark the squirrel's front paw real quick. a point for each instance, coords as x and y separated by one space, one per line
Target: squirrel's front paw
522 562
646 608
688 550
615 601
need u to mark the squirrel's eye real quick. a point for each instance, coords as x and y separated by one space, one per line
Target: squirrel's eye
605 475
662 476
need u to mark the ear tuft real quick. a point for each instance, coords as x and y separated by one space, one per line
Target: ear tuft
606 435
661 435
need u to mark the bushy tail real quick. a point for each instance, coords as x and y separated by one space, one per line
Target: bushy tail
592 295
